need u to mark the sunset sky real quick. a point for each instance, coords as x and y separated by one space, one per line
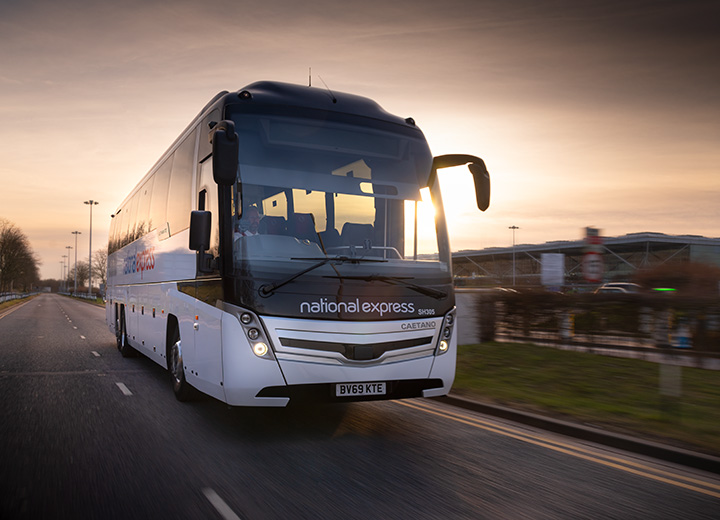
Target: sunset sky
602 114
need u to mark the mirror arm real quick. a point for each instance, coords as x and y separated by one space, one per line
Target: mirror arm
477 168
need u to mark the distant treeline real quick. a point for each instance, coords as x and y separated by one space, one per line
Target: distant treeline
18 263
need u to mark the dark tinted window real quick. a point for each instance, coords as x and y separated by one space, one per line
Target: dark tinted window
158 202
131 232
180 194
143 213
113 235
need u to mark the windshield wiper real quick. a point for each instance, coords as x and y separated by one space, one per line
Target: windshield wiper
394 280
268 288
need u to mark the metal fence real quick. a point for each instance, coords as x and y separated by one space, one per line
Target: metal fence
83 295
7 296
639 323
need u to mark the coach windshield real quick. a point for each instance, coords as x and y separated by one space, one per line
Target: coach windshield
337 203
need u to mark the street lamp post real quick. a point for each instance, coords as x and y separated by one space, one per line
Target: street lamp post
91 203
76 233
62 272
67 287
513 251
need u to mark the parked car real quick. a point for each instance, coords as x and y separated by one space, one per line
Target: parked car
618 288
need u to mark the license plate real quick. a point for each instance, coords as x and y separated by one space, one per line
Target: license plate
356 389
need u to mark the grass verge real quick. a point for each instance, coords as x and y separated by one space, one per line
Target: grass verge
13 303
97 301
616 394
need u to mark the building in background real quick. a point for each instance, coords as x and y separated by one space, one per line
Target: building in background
621 257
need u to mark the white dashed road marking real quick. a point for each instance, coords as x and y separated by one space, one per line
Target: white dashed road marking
220 505
124 389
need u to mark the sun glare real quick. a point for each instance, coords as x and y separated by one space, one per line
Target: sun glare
426 237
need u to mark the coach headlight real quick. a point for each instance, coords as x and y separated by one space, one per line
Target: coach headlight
446 333
255 333
260 349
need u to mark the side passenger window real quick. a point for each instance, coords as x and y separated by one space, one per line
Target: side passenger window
180 193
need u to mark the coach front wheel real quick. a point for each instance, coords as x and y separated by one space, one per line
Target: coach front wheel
122 338
182 389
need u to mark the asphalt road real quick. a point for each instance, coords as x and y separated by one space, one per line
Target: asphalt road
86 433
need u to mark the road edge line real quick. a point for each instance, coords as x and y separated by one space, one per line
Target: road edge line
616 440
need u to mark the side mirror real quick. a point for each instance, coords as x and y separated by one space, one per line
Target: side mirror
200 225
482 184
479 172
225 146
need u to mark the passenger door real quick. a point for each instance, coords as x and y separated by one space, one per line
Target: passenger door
207 369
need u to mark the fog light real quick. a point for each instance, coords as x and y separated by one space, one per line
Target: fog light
260 349
246 318
253 334
444 346
447 333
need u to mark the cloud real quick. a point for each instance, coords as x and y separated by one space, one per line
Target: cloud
601 113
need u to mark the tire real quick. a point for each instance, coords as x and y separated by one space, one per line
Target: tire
182 389
118 327
122 338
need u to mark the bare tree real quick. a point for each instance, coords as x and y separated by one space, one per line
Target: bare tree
99 266
82 275
18 264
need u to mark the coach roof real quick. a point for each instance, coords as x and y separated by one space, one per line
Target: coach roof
287 94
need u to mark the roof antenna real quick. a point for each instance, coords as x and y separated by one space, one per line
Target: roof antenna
332 96
309 76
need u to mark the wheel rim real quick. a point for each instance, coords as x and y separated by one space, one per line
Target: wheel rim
176 368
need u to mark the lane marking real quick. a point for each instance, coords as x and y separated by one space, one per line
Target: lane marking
577 451
124 389
220 505
491 426
96 354
12 309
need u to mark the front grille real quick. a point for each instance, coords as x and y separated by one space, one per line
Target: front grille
352 343
356 351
